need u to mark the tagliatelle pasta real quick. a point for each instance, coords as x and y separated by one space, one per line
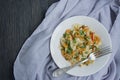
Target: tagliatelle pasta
77 43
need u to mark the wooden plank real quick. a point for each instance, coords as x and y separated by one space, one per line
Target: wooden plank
18 19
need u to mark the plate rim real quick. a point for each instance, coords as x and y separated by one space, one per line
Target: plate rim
79 17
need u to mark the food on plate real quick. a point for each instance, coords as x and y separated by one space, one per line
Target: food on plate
78 42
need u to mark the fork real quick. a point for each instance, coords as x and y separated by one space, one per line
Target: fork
103 51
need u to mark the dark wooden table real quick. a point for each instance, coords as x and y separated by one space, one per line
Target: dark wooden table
18 19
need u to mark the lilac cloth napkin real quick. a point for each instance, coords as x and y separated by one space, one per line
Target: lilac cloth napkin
34 61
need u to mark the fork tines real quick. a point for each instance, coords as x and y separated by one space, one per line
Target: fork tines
103 51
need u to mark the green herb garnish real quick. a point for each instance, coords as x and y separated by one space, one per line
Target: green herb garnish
74 40
68 42
69 50
76 54
91 46
81 32
96 48
65 35
83 46
86 52
86 38
94 42
83 59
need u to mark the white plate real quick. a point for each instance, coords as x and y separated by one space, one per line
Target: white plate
55 44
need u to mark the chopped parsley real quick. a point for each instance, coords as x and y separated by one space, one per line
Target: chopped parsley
74 40
65 35
87 38
83 59
83 46
68 42
86 52
69 50
81 32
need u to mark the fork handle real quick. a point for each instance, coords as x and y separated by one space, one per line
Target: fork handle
61 71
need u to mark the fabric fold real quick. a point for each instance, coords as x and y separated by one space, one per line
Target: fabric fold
34 61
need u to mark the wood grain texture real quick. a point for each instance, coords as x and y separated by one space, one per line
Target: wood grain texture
18 19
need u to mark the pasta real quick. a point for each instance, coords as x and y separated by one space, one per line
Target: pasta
77 43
